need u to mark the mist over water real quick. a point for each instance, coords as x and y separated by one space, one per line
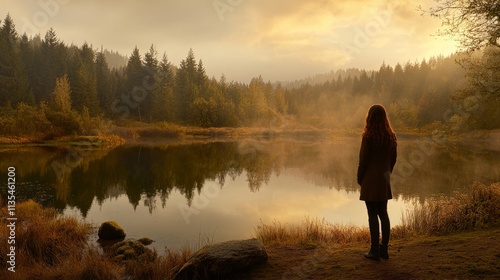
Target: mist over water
180 193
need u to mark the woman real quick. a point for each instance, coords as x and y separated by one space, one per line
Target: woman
377 157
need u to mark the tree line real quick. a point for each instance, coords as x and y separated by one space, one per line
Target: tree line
51 88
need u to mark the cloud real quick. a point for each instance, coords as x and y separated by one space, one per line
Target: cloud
280 39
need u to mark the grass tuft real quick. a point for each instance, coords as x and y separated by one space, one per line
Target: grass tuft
478 207
311 231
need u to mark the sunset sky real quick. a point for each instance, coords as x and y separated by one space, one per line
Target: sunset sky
280 40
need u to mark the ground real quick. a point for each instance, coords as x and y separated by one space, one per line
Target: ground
468 255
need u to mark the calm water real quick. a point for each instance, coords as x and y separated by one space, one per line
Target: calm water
181 194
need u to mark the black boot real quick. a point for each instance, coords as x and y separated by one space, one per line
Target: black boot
374 254
384 254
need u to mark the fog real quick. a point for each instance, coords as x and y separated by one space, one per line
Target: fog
281 40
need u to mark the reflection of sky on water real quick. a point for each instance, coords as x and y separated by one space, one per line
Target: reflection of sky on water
144 188
234 211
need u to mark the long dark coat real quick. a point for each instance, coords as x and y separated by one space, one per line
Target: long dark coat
374 170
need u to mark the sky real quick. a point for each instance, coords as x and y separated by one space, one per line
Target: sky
282 40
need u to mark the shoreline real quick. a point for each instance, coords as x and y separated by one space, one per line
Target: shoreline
433 243
173 133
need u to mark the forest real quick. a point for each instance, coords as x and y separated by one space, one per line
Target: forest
51 89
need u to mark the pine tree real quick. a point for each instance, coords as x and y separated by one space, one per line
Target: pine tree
104 83
162 97
52 63
186 88
14 85
83 80
151 80
134 90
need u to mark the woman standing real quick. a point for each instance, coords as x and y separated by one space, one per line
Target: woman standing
377 157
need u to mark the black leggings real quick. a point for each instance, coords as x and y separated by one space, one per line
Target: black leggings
376 210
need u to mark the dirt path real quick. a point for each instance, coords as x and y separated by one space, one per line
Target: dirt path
470 255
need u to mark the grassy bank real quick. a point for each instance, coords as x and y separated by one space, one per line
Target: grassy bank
107 140
52 246
133 131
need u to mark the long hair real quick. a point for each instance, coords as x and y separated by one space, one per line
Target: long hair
378 128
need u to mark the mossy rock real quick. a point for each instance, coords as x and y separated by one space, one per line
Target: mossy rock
130 254
130 249
110 230
122 249
146 241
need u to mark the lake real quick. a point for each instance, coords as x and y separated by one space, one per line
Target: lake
189 192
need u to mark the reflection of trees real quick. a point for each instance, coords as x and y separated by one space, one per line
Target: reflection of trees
150 174
449 166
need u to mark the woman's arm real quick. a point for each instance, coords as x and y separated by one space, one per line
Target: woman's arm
364 157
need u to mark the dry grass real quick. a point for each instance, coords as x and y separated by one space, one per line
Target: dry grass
49 246
311 231
479 207
52 246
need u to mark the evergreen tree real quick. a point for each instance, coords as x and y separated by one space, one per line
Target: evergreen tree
151 80
186 89
162 97
52 63
104 83
253 107
135 76
14 85
280 100
83 80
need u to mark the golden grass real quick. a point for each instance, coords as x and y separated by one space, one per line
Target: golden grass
311 231
479 207
52 246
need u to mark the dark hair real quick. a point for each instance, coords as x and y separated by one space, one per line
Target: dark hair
378 127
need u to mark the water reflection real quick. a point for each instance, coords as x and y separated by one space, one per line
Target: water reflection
176 192
151 173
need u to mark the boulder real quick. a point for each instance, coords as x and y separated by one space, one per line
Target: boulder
145 241
110 230
222 259
131 249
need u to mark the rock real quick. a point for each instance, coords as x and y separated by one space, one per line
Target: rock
145 241
131 249
223 259
110 230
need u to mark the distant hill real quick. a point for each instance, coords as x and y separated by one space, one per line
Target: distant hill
115 59
322 78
